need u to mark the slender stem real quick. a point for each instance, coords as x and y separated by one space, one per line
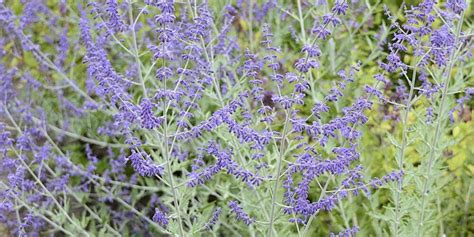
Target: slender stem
466 207
301 20
404 144
277 181
250 26
437 134
440 215
86 139
171 180
166 152
17 211
135 48
139 14
112 33
345 219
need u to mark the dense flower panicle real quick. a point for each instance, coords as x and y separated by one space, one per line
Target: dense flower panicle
311 50
108 82
377 93
31 13
442 42
62 49
7 18
148 119
203 176
160 217
303 65
457 6
92 159
5 139
381 78
321 31
331 19
304 207
318 108
460 104
214 219
143 164
115 22
59 184
267 36
350 232
429 115
165 18
164 72
261 12
340 7
239 213
334 94
224 161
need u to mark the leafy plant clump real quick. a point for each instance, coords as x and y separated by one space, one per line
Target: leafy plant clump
236 118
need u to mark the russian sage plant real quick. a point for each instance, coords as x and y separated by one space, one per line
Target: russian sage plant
228 118
433 35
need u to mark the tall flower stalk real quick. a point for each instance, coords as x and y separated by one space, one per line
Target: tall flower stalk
439 127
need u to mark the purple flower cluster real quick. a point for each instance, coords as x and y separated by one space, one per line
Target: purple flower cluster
432 47
143 164
160 217
350 232
214 218
239 213
224 161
